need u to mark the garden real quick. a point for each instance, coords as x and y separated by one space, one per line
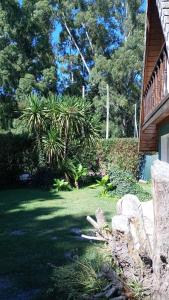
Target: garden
70 80
53 174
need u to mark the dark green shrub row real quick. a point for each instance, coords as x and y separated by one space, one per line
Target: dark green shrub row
17 156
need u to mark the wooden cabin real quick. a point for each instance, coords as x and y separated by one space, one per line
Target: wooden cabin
154 116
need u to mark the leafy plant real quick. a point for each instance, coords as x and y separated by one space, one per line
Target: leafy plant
123 182
105 184
79 172
61 185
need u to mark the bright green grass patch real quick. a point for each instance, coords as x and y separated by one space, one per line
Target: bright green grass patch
35 231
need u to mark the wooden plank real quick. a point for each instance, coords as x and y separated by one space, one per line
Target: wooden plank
159 114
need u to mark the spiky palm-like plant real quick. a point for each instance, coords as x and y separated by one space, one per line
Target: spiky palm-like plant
34 115
52 146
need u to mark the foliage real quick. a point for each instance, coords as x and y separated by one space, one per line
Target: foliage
52 146
61 127
137 289
79 173
61 185
109 36
17 156
27 60
105 184
123 182
81 277
33 115
120 152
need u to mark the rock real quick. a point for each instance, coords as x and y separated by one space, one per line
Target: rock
121 223
130 206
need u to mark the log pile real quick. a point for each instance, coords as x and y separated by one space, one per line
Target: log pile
139 237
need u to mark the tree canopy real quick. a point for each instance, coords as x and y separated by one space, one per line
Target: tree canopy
98 42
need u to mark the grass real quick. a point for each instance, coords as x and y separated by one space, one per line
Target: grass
35 232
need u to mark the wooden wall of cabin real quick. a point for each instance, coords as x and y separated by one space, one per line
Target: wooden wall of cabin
154 43
149 139
154 40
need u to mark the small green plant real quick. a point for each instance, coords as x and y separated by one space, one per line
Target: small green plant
136 289
61 185
105 184
78 173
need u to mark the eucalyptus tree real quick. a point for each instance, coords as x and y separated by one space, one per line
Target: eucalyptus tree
27 61
89 29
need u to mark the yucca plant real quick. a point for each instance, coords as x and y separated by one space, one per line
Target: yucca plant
74 122
34 115
52 146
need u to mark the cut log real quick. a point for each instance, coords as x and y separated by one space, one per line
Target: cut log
160 177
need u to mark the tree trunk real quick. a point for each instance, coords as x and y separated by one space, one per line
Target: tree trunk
160 176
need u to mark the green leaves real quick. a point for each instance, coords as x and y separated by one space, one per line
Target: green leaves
27 61
57 124
61 185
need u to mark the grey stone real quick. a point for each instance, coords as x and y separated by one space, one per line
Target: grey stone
121 223
130 206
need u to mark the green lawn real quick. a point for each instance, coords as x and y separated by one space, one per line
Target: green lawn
35 233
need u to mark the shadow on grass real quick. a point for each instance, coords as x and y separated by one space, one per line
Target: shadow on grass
35 237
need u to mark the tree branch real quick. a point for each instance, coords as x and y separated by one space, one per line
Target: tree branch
77 47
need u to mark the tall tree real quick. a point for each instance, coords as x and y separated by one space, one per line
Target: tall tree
27 61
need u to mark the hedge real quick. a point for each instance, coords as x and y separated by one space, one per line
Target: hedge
122 152
17 156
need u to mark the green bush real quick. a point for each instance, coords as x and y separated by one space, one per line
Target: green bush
123 182
122 152
105 184
61 185
17 156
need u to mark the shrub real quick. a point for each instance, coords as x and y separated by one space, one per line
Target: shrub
17 156
122 152
105 184
123 182
61 185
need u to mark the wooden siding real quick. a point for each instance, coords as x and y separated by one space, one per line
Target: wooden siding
157 35
154 40
148 139
163 9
